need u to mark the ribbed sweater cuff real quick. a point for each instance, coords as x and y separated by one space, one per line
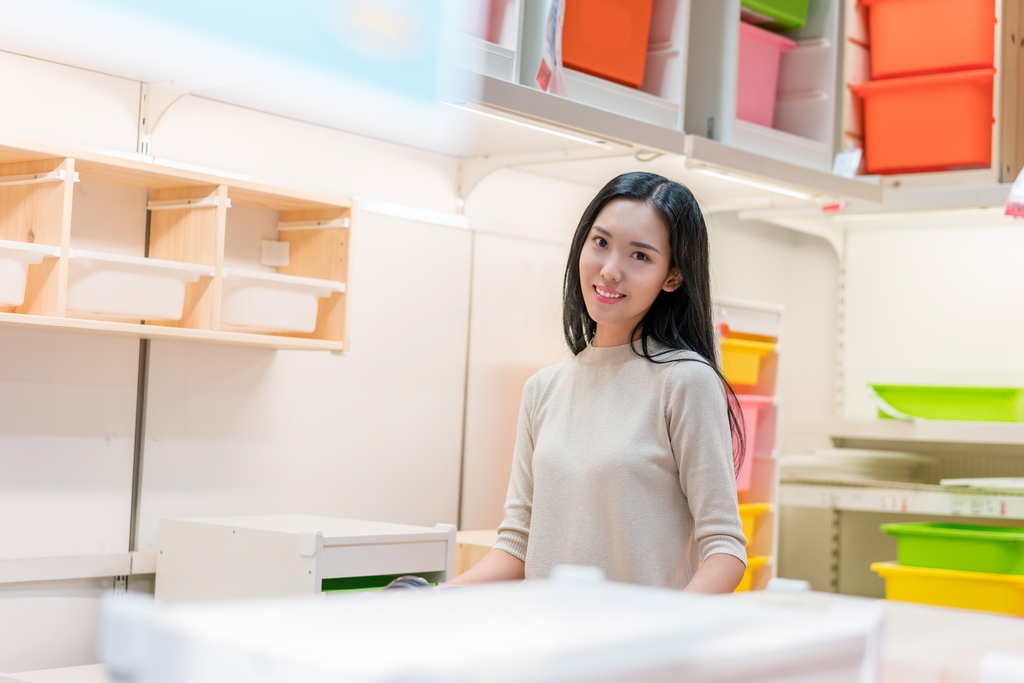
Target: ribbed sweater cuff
512 543
727 545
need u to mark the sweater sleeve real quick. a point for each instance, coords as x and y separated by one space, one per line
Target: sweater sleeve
514 531
702 443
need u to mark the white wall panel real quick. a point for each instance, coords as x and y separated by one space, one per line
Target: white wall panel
67 425
295 154
64 105
939 306
373 434
50 624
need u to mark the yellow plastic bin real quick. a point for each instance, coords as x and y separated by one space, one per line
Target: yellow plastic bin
949 588
753 564
749 512
741 359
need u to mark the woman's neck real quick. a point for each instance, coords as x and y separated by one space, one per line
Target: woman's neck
606 335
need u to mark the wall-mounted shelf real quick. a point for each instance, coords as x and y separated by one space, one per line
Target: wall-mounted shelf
178 251
916 499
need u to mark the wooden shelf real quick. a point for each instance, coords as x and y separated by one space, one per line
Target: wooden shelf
916 499
187 223
173 333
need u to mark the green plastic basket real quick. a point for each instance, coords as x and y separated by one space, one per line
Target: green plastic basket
976 404
779 14
962 547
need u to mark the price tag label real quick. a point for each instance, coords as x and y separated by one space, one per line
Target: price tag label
1015 202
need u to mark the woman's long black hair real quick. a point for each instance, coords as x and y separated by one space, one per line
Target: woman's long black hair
682 319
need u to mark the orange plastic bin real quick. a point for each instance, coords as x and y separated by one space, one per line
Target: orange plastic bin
940 122
916 37
607 38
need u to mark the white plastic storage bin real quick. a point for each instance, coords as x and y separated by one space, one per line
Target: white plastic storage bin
15 258
129 287
226 558
256 301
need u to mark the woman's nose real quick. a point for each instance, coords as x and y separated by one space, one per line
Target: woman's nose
611 270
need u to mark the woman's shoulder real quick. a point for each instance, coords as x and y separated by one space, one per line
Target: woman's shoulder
545 377
688 369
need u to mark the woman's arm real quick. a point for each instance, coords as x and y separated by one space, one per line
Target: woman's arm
720 573
496 565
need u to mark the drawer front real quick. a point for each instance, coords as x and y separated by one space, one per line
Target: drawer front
385 558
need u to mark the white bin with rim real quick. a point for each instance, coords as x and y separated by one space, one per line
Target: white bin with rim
257 301
129 287
15 258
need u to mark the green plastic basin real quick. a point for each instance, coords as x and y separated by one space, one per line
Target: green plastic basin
963 547
779 14
977 404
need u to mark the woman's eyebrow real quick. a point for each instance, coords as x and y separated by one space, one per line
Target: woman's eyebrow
642 245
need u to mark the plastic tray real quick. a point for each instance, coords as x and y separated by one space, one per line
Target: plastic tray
751 407
608 39
257 301
928 123
781 14
963 547
15 258
948 588
760 52
911 37
741 359
977 404
753 564
749 512
129 287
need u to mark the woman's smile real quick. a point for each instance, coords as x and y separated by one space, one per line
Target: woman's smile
607 296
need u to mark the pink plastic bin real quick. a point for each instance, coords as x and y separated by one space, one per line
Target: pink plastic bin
760 52
751 407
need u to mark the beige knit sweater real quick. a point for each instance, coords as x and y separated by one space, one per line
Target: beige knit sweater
623 464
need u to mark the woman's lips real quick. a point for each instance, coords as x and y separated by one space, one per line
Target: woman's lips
607 296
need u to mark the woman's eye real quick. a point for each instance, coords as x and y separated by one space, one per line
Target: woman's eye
641 256
600 241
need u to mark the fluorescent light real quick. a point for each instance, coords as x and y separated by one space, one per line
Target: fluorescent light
938 213
758 184
531 126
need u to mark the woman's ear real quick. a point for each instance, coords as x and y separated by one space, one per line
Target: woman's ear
673 281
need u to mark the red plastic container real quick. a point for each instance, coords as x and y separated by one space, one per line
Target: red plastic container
607 38
751 407
940 122
758 77
916 37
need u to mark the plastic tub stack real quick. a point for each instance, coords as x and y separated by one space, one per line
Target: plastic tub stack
760 54
956 565
745 368
928 106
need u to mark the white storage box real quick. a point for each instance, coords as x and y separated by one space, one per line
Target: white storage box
245 557
560 630
267 302
129 287
15 258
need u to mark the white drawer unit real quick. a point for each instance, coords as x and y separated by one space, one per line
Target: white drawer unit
250 557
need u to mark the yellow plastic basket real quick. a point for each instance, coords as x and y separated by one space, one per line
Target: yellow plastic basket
741 359
949 588
749 512
753 564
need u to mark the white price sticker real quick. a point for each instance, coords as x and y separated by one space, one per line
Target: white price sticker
1015 202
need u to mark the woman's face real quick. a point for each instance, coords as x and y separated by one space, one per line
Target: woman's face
624 265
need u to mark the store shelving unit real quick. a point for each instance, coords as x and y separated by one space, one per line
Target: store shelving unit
805 112
763 321
186 221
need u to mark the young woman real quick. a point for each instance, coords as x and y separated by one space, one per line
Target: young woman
624 456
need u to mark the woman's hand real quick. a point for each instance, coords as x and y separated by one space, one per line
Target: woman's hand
719 573
497 565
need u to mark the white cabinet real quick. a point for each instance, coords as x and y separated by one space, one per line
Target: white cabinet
249 557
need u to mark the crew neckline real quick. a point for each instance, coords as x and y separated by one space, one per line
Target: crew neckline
605 355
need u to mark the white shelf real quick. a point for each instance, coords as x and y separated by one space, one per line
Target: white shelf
978 434
916 499
77 567
87 673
